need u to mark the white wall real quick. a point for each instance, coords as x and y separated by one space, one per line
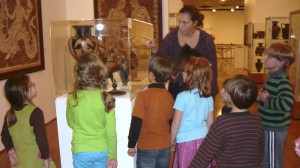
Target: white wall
226 26
259 10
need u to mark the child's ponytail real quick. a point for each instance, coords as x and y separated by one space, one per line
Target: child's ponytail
109 101
11 117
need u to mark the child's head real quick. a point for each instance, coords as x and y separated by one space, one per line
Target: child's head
90 72
242 91
281 52
18 90
225 89
161 68
198 74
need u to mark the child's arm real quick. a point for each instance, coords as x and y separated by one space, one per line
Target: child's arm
207 150
281 100
69 115
175 126
111 134
8 144
38 123
5 136
210 119
134 133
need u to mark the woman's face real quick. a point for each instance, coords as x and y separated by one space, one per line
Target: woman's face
185 24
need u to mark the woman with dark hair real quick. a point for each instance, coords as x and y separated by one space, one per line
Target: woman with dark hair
188 33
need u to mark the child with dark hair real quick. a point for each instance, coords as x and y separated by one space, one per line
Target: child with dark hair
176 84
193 111
151 116
91 115
275 102
237 138
225 95
24 134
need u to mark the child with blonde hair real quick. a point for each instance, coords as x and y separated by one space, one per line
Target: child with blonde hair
275 102
91 115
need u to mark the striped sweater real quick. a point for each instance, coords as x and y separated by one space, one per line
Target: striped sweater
235 140
276 111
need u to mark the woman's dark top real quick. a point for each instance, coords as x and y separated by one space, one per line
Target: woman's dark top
170 46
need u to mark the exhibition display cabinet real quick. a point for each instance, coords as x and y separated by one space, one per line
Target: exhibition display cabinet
121 45
256 47
277 30
294 70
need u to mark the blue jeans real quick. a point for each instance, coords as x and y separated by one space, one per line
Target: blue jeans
153 158
90 159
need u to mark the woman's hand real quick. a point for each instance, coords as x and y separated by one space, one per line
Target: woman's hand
112 163
151 44
131 152
13 157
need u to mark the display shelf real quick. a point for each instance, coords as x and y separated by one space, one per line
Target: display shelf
294 70
277 30
256 47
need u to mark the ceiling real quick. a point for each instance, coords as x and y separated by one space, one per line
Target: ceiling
215 4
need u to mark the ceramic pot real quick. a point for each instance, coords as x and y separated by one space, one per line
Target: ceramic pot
285 28
82 42
259 49
275 29
261 34
258 65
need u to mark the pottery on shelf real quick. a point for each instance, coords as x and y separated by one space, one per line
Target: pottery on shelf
259 49
285 28
258 65
261 34
82 42
275 29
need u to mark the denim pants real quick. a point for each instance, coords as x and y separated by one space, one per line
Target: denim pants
90 159
153 158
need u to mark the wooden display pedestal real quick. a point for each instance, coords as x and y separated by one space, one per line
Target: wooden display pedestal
257 77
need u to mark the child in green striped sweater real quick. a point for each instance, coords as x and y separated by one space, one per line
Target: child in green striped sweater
275 102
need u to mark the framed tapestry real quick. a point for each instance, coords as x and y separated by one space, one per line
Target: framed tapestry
21 40
146 10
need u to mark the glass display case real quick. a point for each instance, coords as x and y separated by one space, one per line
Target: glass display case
256 47
119 43
277 30
294 70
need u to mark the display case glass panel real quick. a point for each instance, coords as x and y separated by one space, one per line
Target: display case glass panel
294 70
119 43
256 47
277 30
